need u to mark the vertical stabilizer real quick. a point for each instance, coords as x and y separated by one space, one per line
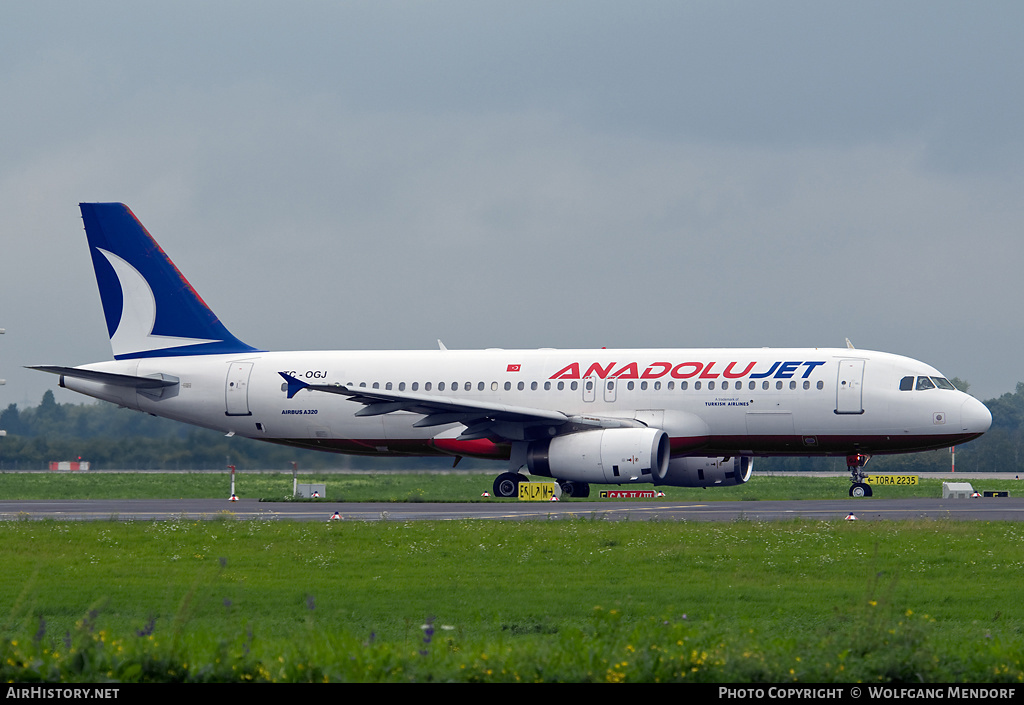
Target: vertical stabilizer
150 308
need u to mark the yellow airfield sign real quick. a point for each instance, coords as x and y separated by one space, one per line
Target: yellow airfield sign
891 479
536 491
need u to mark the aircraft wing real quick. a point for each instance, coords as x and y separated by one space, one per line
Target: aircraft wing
481 419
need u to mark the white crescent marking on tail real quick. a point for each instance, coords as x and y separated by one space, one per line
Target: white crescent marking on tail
134 332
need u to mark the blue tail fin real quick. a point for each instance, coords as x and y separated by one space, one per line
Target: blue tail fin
150 308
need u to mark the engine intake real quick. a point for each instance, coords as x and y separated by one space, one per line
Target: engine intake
608 456
706 472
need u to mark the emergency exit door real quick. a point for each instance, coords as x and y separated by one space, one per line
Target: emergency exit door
850 387
236 389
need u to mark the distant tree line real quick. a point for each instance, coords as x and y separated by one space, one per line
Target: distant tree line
110 437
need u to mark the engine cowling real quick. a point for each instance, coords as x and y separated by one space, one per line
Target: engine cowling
607 456
706 472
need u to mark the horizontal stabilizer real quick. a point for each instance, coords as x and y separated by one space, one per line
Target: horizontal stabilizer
109 377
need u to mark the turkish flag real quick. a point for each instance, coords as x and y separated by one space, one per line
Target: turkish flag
513 368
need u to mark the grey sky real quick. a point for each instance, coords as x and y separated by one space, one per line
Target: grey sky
525 174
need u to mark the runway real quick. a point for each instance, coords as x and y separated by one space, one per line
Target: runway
867 509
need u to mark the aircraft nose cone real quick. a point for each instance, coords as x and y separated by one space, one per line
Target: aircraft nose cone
975 416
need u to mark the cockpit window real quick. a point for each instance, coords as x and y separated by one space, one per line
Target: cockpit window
907 383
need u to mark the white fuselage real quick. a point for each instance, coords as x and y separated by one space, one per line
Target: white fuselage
709 401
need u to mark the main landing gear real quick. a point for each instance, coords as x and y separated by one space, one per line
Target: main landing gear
855 464
506 485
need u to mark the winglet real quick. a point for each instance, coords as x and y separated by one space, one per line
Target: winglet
294 385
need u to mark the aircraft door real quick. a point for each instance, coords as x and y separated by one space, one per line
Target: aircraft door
236 389
589 389
849 387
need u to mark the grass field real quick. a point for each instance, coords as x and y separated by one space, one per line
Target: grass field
567 600
575 600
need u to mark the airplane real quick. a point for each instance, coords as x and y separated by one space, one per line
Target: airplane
665 417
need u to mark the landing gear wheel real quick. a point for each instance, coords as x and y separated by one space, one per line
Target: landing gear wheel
507 484
574 489
860 489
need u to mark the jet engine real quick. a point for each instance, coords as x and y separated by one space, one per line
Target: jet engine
607 456
705 472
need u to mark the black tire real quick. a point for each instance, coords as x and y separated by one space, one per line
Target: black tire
506 485
578 490
860 489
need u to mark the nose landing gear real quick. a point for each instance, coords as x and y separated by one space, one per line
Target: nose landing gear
855 464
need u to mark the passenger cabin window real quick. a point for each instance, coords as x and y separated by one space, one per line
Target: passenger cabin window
906 384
